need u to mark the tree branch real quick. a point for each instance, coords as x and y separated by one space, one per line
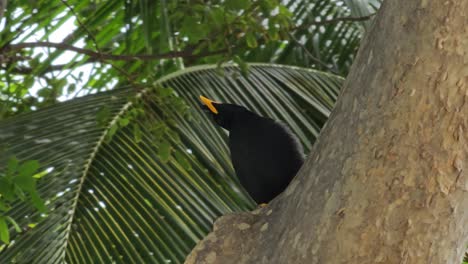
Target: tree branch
82 25
312 57
335 20
59 67
107 56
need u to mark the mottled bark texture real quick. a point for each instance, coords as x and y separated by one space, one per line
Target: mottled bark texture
387 181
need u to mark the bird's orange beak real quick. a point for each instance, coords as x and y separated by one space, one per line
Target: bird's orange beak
209 104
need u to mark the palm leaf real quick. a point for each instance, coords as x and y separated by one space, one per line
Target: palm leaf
329 47
117 201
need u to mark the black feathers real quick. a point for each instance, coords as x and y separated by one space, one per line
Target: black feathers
265 154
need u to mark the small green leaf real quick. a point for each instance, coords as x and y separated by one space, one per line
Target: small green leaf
15 225
237 4
193 29
111 132
173 134
28 82
217 15
283 10
13 88
273 29
251 40
182 160
137 134
164 92
25 182
158 130
38 202
230 17
273 34
28 168
44 92
4 232
12 165
123 122
103 115
136 112
35 62
244 67
3 206
164 151
19 192
25 179
7 188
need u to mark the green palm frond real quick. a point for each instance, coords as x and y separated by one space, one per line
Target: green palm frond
329 47
118 200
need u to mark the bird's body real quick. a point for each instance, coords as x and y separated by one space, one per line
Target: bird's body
265 154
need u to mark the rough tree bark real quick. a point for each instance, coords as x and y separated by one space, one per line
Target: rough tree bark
387 181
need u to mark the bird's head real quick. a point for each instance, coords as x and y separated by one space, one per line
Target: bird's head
223 114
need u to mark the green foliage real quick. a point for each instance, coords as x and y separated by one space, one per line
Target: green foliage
4 233
244 67
176 33
18 181
147 198
202 32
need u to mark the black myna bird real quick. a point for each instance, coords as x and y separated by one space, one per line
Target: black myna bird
265 154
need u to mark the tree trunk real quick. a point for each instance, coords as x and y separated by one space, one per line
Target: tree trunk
387 181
